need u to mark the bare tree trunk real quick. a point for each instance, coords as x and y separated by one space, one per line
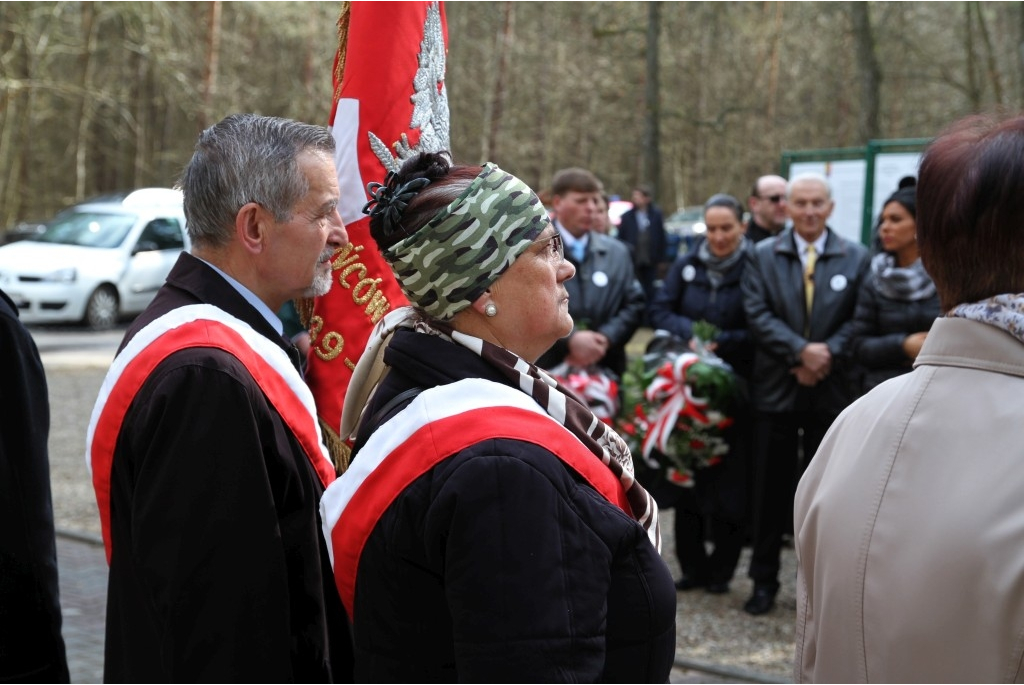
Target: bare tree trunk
774 61
210 68
84 114
542 161
21 171
696 160
9 97
973 89
10 156
497 104
869 71
1020 52
141 121
652 125
990 58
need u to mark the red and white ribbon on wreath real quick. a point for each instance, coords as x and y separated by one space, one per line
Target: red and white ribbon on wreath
672 395
598 390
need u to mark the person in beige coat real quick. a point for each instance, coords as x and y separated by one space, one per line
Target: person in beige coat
909 520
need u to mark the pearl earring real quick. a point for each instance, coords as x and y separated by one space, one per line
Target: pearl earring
491 309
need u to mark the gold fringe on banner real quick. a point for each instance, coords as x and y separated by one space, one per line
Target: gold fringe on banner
304 308
341 453
339 67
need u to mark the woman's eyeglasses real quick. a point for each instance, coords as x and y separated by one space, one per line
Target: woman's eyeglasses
556 248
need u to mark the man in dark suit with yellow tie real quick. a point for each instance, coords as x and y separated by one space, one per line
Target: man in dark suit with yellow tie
799 289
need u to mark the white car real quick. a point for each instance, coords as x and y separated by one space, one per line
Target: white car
96 262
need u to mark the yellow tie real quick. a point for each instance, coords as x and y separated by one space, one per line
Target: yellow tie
812 259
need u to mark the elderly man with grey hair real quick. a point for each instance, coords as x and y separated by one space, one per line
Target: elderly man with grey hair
799 292
205 451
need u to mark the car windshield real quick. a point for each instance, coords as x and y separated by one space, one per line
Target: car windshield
88 229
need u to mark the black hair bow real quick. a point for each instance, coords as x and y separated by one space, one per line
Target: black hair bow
389 199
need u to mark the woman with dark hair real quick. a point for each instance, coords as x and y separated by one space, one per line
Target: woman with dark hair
897 302
489 526
704 285
909 520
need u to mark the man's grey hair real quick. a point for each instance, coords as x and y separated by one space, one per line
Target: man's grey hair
809 176
246 158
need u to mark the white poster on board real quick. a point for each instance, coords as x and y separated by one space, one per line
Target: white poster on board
890 168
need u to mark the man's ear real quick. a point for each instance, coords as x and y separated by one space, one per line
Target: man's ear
251 226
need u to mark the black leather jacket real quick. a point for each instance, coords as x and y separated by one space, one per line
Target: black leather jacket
880 325
773 297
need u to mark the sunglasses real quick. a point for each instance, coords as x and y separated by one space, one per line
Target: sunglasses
774 199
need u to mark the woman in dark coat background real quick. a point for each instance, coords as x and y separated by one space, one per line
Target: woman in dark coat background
704 284
897 302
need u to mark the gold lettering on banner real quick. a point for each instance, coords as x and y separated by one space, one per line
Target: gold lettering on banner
367 285
377 307
346 255
365 291
330 346
347 271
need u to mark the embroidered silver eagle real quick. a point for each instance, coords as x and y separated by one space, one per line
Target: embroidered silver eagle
429 98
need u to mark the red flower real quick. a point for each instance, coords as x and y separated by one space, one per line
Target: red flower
679 477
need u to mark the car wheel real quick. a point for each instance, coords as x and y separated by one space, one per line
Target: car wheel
101 311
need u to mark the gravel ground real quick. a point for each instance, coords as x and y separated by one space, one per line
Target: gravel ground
716 638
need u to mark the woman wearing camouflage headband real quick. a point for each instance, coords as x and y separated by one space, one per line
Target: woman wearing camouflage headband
489 527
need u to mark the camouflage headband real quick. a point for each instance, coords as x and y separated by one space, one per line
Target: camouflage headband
452 260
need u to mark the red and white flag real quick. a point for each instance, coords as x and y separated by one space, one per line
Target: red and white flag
389 103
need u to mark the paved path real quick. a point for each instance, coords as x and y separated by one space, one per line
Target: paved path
83 597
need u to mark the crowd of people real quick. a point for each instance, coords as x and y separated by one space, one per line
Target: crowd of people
491 525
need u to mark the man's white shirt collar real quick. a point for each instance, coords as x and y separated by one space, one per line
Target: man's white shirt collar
569 239
251 298
801 245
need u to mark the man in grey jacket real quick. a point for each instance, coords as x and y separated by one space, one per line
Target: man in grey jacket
799 292
606 301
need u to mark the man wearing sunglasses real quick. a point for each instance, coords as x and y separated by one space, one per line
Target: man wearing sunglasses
767 208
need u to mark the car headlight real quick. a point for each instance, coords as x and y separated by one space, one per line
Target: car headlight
67 275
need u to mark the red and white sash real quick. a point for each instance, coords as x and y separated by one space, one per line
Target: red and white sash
439 423
187 327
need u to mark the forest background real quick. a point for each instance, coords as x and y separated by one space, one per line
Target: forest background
692 97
